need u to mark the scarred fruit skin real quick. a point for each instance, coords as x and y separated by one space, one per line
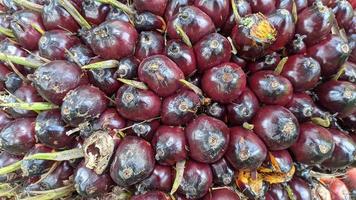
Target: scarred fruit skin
148 21
149 43
276 126
218 10
182 55
282 158
300 189
208 139
161 179
133 161
223 172
302 106
104 79
161 74
197 178
36 167
246 150
224 83
111 120
152 195
222 194
136 104
143 130
314 145
268 62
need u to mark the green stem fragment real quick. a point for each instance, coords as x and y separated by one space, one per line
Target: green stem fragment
57 156
321 122
29 5
280 65
234 10
28 62
179 176
248 126
118 5
102 65
30 106
183 35
136 84
52 194
38 29
75 14
7 32
191 86
339 73
10 168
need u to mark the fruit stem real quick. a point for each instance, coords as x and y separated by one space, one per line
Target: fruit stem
234 50
28 62
191 86
321 122
52 194
38 29
278 70
7 32
102 65
136 84
339 73
30 106
75 14
289 191
29 5
183 35
118 5
17 72
248 126
57 156
234 10
145 121
11 168
179 176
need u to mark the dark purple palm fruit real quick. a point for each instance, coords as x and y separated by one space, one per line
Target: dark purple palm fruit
302 106
113 39
297 45
5 20
224 83
268 62
59 177
55 79
117 14
4 119
344 153
156 7
282 20
271 88
9 79
82 104
223 172
216 110
110 120
56 17
197 179
9 47
161 75
104 79
300 5
161 179
349 72
253 35
276 126
180 108
79 54
338 97
282 159
212 50
246 150
7 159
143 130
170 145
18 136
36 167
149 43
192 21
277 192
314 145
152 195
315 22
286 4
208 139
265 7
174 6
243 108
243 9
133 162
90 184
22 25
137 104
331 53
53 44
218 10
147 21
302 71
222 194
343 13
300 189
51 130
182 55
127 68
94 12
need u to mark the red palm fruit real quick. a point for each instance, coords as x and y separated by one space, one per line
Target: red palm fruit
161 74
223 173
302 106
197 179
246 150
350 180
7 159
218 10
149 43
224 83
211 50
53 44
32 168
18 136
170 145
193 21
282 21
136 104
80 53
282 158
338 97
156 7
182 55
113 39
268 62
208 139
276 126
344 153
242 109
253 35
349 73
147 21
127 68
216 110
117 14
133 161
276 192
55 79
104 79
22 25
152 195
302 71
300 189
315 23
174 6
331 53
265 7
343 13
297 46
220 194
271 88
94 12
337 188
57 178
143 130
111 120
314 145
4 119
161 179
83 104
243 8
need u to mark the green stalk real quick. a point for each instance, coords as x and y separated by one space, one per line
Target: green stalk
136 84
11 168
280 65
191 86
118 5
234 10
102 65
183 35
75 14
30 106
248 126
28 62
57 156
29 5
7 32
52 194
321 122
179 176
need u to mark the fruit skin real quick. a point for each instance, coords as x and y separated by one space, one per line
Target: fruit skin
5 160
4 119
338 97
343 13
224 83
349 74
18 136
243 8
218 10
350 180
147 21
117 14
79 53
277 192
149 43
94 12
152 195
246 150
263 6
156 7
113 39
268 62
314 145
161 179
136 104
111 120
143 130
194 22
197 178
182 55
161 74
300 189
302 106
276 126
127 68
133 161
338 189
222 194
104 80
223 173
36 167
173 7
208 139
